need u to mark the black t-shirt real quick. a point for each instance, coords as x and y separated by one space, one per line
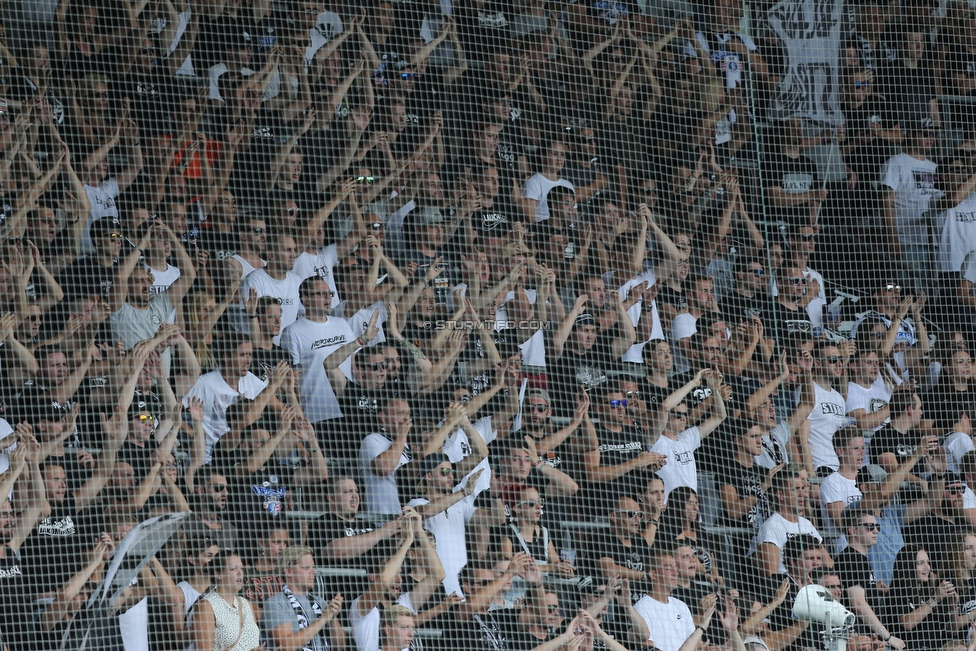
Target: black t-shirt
653 395
945 405
61 536
855 570
606 545
328 527
85 277
909 90
789 322
484 631
14 602
793 175
889 440
359 406
737 308
930 633
220 246
566 374
615 448
938 537
747 482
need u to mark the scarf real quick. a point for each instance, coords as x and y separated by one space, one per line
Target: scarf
302 616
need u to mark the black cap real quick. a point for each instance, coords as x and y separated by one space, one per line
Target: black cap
427 465
104 226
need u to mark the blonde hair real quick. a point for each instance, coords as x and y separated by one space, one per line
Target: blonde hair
290 557
393 613
201 349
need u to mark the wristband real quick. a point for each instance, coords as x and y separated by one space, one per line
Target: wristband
702 628
359 340
655 522
538 463
465 491
252 315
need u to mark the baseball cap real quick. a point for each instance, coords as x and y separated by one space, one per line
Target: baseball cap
539 393
427 466
104 226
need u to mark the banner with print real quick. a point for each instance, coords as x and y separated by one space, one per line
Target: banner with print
810 33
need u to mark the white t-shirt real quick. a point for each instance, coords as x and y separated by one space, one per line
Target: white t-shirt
366 628
135 324
102 201
958 234
914 184
328 25
683 326
534 348
320 264
836 488
358 323
680 470
775 446
956 445
537 187
968 270
828 415
448 528
5 431
134 626
816 305
217 396
381 494
872 399
309 343
162 280
636 312
670 624
457 446
777 530
286 290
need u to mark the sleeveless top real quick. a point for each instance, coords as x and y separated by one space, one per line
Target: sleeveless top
538 548
245 265
228 622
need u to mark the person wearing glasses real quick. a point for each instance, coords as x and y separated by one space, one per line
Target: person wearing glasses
621 550
861 594
614 452
209 508
679 437
944 521
829 411
526 532
449 512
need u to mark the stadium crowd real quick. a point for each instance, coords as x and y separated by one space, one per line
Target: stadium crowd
482 325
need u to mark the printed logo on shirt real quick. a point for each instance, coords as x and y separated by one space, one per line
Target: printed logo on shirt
622 447
832 409
272 495
10 572
352 532
925 181
684 458
62 527
966 217
329 341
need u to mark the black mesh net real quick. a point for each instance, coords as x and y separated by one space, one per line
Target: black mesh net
487 326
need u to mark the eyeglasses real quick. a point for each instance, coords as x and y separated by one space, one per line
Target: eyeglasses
678 415
630 515
807 237
797 281
446 472
365 179
293 212
892 288
833 359
617 404
870 526
862 84
259 231
406 76
759 273
541 502
218 488
539 409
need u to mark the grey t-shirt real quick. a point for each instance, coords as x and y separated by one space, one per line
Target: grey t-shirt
278 610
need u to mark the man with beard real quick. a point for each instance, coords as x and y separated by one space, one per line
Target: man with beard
621 550
209 502
537 423
829 412
790 492
385 586
578 355
253 250
424 235
760 409
360 394
15 601
277 279
136 313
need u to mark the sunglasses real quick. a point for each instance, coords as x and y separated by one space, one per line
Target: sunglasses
15 241
833 359
406 76
870 526
365 179
892 288
808 237
446 472
292 212
759 273
259 231
378 226
631 395
539 409
553 609
143 418
678 415
148 50
218 488
617 404
33 318
956 490
376 366
862 84
797 281
630 515
532 503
